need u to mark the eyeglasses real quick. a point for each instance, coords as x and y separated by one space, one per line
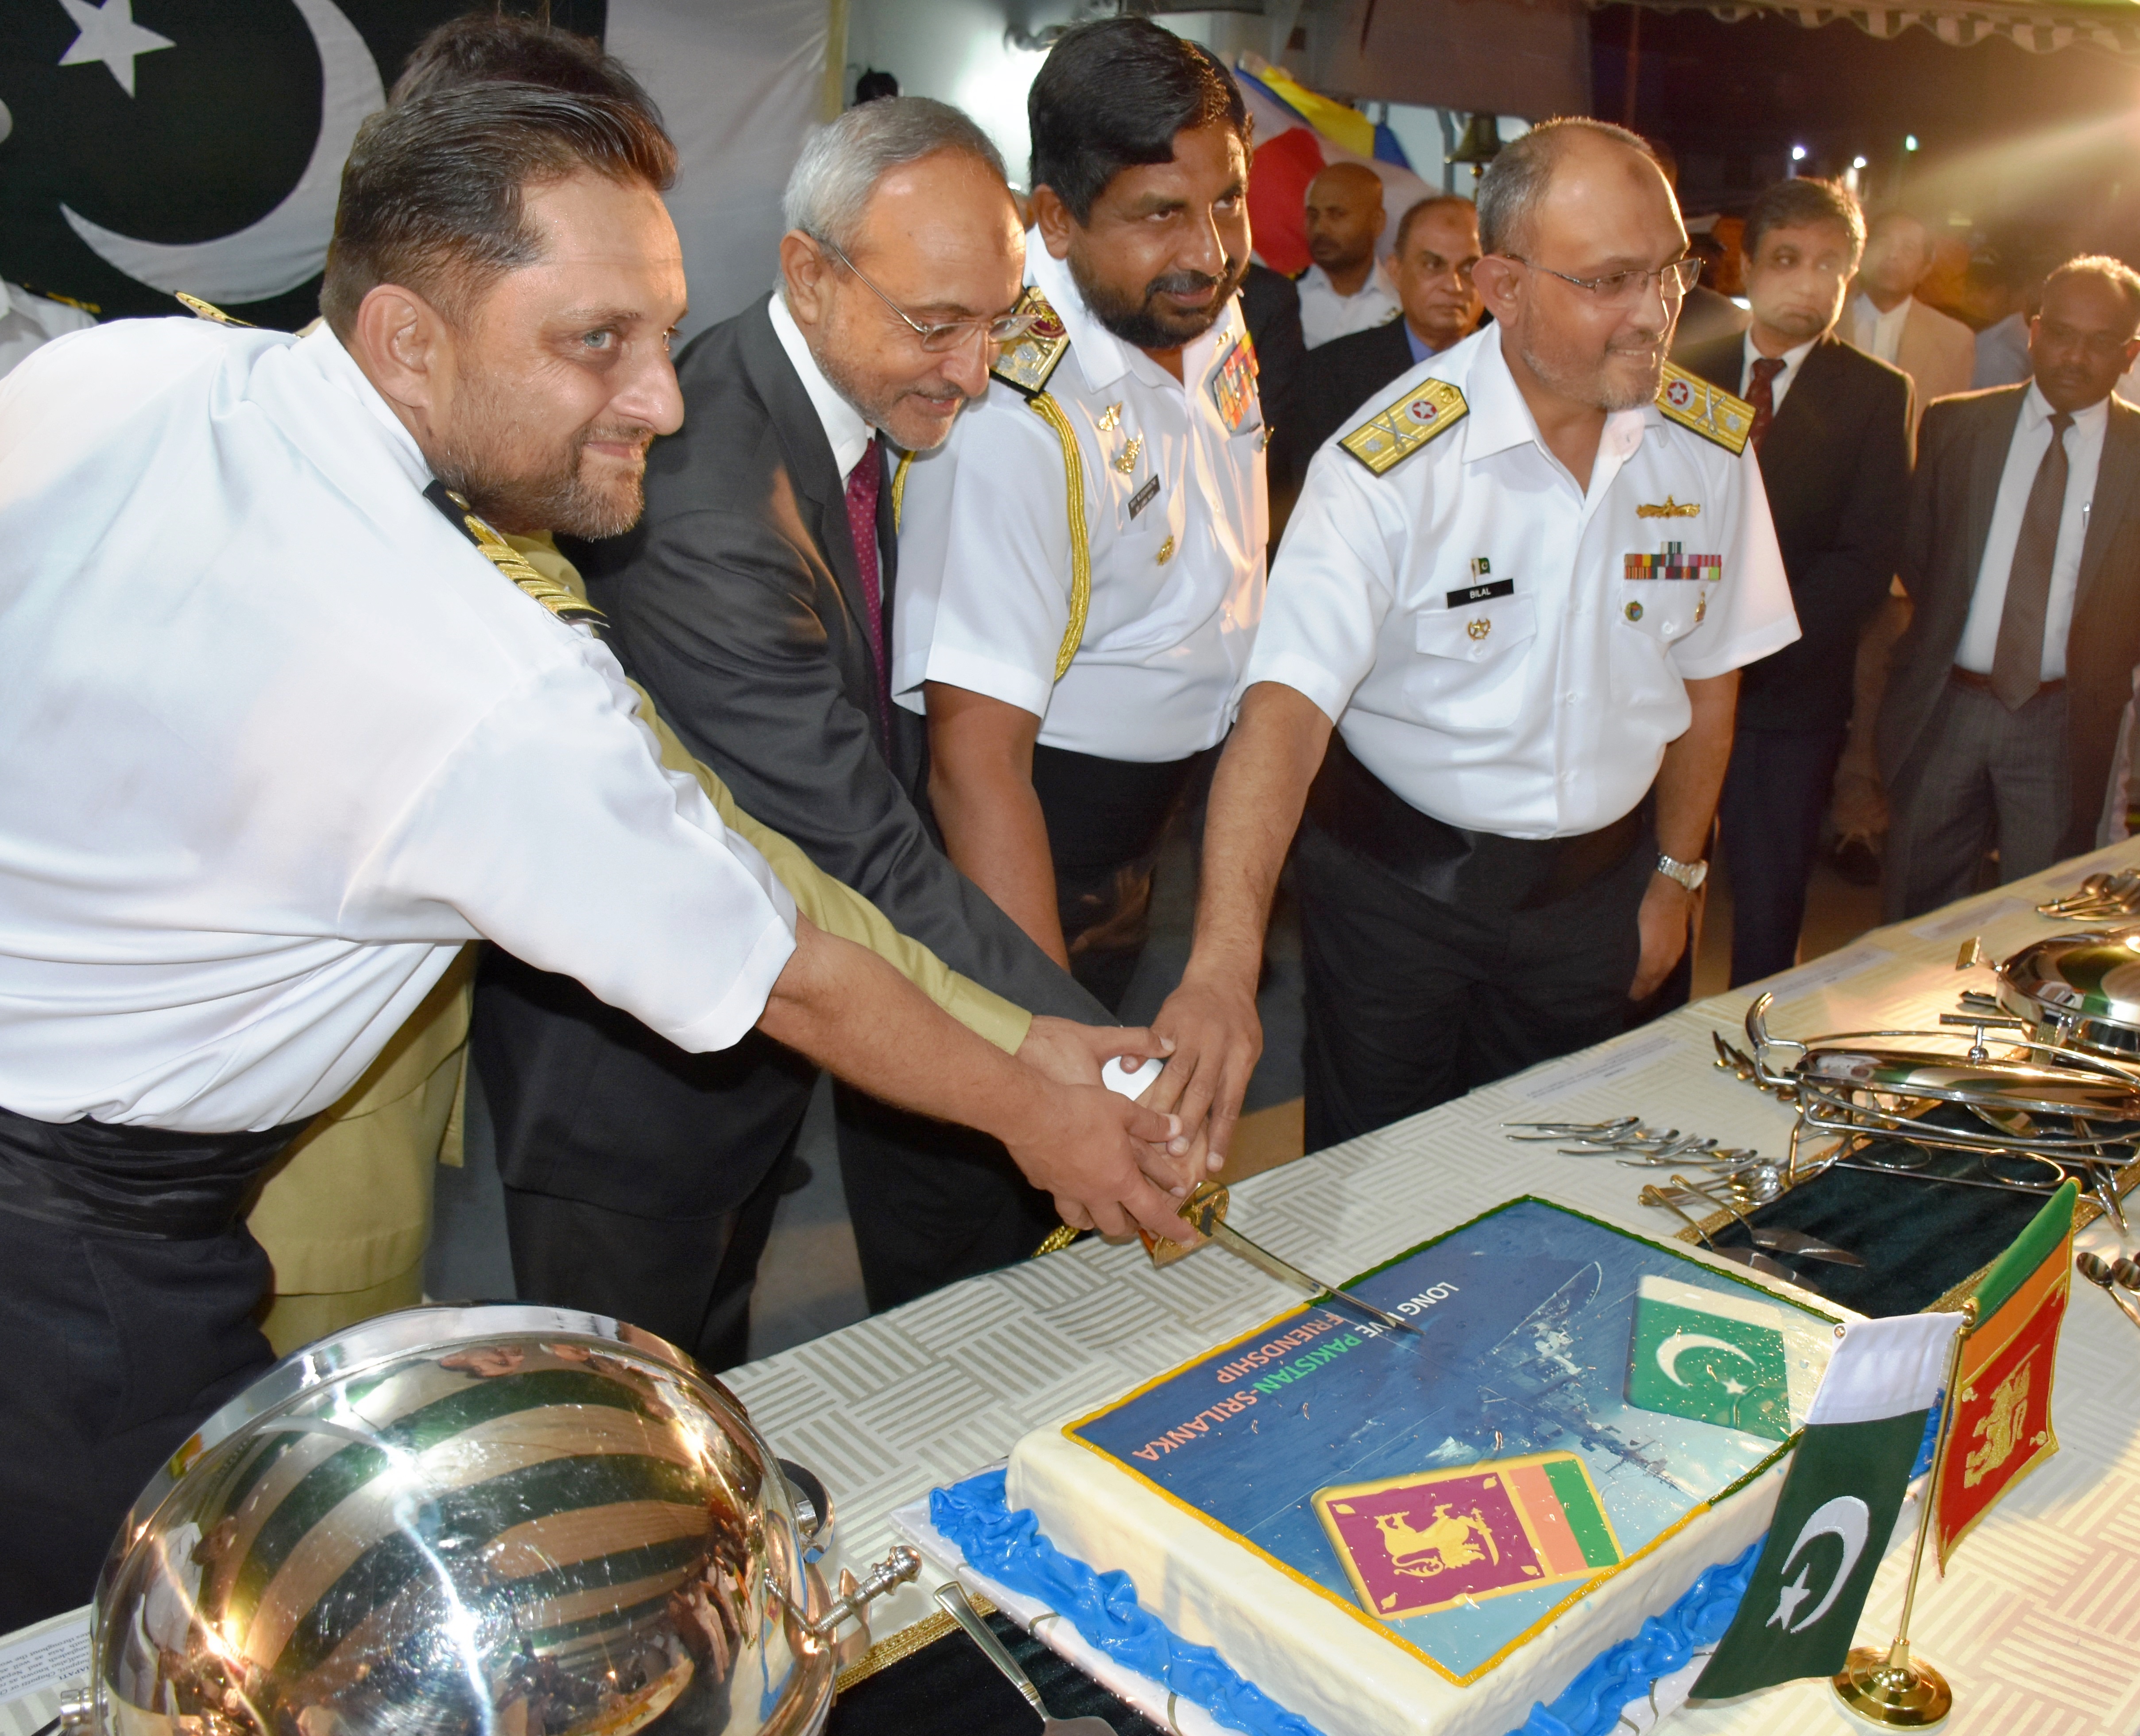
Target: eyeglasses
1624 288
997 329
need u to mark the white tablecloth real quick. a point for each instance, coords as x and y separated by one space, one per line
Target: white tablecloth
2038 1625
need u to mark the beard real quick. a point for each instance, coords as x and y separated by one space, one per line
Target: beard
877 403
1597 384
1140 321
523 491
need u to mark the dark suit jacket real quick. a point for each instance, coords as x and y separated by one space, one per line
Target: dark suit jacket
1836 462
1270 308
1961 451
1342 376
737 601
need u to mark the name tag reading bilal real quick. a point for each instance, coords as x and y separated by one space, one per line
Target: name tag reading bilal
1466 595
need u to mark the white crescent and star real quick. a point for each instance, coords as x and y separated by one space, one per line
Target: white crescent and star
1846 1518
1680 1343
289 244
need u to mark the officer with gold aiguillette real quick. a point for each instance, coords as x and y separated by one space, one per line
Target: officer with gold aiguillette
1519 588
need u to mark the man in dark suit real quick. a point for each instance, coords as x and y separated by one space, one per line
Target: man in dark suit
1832 429
2022 560
1270 305
1437 245
752 601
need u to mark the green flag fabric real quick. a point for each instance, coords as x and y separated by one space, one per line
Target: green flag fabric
1838 1505
1712 1356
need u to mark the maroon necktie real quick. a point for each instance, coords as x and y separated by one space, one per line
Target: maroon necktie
1762 395
863 482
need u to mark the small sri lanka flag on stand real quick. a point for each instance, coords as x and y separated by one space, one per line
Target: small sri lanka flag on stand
2002 1414
1847 1480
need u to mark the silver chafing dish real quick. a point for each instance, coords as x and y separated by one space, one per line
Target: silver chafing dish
2049 1108
2080 991
506 1521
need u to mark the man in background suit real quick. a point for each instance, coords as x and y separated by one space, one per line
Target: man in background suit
752 601
1437 246
1270 305
2022 559
1832 429
1886 321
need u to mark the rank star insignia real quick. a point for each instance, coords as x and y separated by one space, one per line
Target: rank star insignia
1670 508
1478 628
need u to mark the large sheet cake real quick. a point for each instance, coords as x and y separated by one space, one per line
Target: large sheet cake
1429 1534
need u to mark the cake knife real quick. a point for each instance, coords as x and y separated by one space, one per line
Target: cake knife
1206 1210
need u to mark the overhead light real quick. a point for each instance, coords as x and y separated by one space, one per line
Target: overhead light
1857 162
1798 153
1909 141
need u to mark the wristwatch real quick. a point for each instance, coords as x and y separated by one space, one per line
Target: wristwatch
1689 874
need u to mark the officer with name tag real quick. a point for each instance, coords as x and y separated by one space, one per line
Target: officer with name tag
1081 561
1519 590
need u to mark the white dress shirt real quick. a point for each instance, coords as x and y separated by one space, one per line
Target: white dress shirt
1782 383
30 321
1176 514
1325 314
1543 713
2024 455
845 430
1879 334
276 741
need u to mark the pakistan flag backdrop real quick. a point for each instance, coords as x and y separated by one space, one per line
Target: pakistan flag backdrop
152 145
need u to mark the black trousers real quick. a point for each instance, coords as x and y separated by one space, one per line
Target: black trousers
130 1316
688 1279
1106 820
1775 793
1411 1001
607 1132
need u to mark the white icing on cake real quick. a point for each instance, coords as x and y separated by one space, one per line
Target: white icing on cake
1323 1659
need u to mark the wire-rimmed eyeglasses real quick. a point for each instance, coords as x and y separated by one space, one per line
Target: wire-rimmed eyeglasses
996 329
1623 288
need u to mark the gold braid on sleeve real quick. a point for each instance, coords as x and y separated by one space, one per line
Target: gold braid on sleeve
1080 547
899 489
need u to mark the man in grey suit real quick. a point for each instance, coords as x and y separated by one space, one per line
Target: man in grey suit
2022 560
752 600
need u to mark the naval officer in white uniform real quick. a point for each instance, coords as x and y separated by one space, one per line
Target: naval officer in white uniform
1081 561
283 724
1519 589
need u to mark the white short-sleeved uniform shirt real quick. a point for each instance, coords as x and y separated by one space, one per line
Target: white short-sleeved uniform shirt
276 741
1505 650
1177 516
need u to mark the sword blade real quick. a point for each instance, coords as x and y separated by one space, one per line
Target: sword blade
1236 1243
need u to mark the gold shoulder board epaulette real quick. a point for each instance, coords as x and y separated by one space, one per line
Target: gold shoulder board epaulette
1393 433
208 310
1024 366
1693 402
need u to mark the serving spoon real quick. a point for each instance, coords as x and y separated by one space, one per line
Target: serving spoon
952 1596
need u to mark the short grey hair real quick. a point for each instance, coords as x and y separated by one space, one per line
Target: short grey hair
2120 276
1516 180
842 163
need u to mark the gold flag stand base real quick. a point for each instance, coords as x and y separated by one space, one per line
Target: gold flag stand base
1892 1690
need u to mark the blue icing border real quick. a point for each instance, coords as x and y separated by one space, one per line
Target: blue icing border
1008 1547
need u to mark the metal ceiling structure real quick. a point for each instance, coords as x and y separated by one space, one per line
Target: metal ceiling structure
2111 25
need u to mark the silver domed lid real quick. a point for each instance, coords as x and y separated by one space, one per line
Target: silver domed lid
2078 976
500 1521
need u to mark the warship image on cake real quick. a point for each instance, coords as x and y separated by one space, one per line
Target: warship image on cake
1585 1423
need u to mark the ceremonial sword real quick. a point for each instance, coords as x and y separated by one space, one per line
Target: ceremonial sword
1205 1211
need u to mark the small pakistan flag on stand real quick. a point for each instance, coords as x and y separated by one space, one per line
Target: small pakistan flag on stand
1716 1357
1838 1505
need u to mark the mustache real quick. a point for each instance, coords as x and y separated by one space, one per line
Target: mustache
1191 283
620 434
